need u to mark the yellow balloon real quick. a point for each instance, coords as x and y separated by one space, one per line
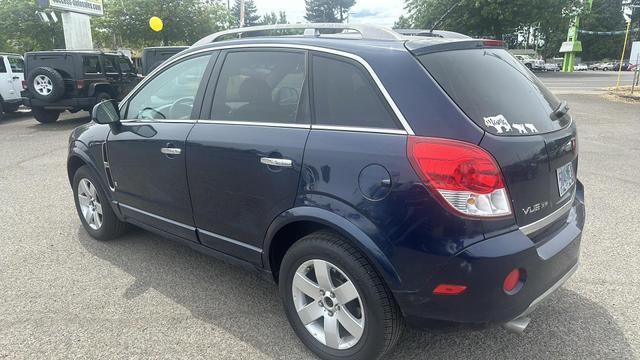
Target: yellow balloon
155 23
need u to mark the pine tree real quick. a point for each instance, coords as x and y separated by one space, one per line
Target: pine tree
251 16
331 11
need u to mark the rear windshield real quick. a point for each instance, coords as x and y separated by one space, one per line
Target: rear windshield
495 90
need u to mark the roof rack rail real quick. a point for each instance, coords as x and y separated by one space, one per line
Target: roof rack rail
368 32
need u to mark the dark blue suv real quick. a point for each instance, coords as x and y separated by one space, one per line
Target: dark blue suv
377 178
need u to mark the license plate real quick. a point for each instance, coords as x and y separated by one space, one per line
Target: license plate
565 178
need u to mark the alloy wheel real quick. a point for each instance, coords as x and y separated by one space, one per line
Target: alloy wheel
43 85
90 205
328 304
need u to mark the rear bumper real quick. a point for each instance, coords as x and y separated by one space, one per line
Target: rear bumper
482 267
72 103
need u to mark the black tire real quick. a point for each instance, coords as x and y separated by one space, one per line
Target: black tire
383 321
57 83
45 116
111 226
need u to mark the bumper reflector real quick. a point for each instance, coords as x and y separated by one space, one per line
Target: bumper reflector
448 289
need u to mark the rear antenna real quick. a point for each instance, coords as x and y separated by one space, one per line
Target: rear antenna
435 25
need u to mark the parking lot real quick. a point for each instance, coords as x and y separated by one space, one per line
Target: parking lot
65 295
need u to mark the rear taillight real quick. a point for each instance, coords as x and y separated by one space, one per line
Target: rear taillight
462 176
493 43
24 85
79 84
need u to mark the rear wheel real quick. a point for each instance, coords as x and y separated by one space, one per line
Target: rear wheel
335 301
93 208
45 116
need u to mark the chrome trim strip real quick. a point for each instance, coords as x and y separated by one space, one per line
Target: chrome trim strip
357 58
358 129
542 223
549 291
188 227
229 240
255 123
145 121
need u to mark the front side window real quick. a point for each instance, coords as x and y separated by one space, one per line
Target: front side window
91 65
169 95
260 86
344 95
3 68
17 64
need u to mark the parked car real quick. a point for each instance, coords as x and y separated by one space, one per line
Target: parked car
595 66
372 193
152 57
74 81
551 67
632 67
580 67
11 76
606 66
530 62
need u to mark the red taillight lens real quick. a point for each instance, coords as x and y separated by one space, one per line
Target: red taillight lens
448 289
512 281
24 85
464 175
492 43
79 84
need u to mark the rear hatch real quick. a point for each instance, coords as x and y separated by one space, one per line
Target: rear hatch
527 129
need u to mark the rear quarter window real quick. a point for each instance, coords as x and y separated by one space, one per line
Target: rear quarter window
3 67
17 64
495 90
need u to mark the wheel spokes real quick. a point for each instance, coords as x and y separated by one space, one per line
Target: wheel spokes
331 332
322 274
310 313
302 283
346 292
350 323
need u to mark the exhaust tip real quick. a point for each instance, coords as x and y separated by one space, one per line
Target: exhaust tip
517 326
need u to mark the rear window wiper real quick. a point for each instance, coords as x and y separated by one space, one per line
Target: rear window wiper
560 111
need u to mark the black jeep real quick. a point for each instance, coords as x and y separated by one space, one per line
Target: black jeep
74 81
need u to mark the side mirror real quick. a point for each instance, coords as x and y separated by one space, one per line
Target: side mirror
105 112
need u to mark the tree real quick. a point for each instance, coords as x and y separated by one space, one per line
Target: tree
330 11
126 24
605 16
273 18
23 31
251 16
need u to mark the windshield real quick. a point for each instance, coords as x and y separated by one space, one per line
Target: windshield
496 91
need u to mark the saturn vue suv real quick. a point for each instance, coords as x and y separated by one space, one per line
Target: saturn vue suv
378 179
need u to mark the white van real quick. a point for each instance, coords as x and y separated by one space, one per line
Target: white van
11 76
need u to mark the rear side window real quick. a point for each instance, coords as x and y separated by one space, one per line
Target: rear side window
110 64
3 68
495 90
260 86
125 65
344 95
91 65
17 64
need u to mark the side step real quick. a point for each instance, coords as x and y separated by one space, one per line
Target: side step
517 326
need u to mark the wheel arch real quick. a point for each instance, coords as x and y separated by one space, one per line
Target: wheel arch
102 87
293 224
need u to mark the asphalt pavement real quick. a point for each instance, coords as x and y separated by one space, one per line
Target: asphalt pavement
64 295
584 82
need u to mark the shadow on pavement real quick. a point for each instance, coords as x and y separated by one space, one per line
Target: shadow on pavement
63 124
567 326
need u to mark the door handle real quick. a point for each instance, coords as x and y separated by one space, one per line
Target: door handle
171 151
276 162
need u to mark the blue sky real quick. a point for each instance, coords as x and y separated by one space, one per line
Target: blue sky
380 12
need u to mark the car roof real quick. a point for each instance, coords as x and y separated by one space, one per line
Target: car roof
353 39
79 52
9 54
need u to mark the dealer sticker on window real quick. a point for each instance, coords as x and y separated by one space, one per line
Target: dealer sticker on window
565 178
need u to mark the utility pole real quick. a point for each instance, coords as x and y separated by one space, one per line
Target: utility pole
241 13
572 46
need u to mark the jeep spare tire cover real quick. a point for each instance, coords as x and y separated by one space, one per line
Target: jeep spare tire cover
46 84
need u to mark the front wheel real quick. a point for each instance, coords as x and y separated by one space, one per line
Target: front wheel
93 207
45 116
335 301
